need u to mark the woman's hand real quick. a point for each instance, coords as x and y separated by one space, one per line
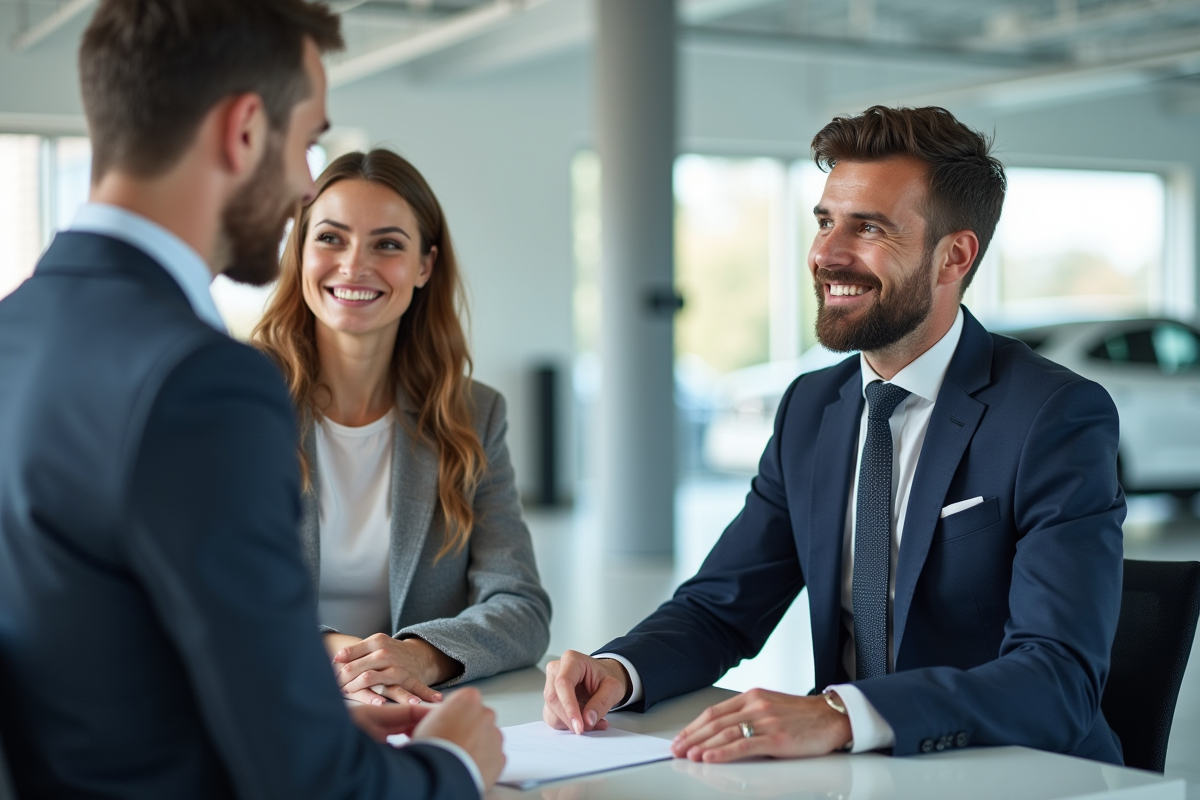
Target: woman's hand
403 668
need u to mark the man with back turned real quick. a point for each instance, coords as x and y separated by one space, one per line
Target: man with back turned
948 497
157 624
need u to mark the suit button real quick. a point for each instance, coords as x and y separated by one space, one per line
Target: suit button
927 746
961 739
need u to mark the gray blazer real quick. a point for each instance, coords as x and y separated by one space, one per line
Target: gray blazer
484 607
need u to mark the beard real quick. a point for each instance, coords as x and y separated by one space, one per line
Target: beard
253 222
885 322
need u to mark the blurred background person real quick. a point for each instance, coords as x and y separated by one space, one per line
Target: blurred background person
411 524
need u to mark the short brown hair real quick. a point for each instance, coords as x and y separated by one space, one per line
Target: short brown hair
151 70
966 182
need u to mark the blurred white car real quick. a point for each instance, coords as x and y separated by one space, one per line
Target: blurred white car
742 424
1151 367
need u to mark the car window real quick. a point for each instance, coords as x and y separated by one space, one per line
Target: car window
1172 347
1177 348
1129 347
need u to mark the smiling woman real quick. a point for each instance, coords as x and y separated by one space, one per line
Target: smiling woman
411 528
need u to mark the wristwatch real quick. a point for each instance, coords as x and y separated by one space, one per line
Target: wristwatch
837 705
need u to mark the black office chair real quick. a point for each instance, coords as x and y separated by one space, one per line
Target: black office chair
1160 601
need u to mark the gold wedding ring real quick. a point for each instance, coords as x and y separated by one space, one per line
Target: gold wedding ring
747 729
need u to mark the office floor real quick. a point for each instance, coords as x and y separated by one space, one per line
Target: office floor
598 596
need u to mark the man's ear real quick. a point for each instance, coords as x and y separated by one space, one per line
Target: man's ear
958 252
244 133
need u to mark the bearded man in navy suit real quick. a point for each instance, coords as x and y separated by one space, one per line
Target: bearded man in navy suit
949 498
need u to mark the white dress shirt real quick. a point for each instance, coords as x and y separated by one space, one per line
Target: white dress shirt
172 253
909 422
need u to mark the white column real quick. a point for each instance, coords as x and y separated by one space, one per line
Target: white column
636 121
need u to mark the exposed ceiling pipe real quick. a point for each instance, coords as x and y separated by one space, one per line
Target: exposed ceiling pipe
454 30
1048 86
50 24
1015 31
470 24
783 45
699 12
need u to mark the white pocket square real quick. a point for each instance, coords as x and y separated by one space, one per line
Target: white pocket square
961 505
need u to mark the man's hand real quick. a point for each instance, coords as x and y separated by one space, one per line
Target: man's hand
336 641
404 668
577 680
466 721
382 722
785 726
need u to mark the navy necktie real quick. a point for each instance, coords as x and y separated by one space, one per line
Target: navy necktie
873 532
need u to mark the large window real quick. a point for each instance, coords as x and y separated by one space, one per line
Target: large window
723 224
742 229
1078 243
1071 243
43 181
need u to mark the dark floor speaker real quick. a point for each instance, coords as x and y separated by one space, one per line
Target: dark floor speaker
546 430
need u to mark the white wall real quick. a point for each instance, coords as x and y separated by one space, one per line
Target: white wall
497 153
42 80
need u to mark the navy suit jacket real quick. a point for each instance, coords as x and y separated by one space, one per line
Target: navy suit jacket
1004 613
157 624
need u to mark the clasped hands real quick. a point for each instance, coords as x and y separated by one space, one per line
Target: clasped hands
403 669
581 690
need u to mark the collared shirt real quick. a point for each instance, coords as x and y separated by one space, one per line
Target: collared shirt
172 253
909 422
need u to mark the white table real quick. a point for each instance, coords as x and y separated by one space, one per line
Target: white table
1002 773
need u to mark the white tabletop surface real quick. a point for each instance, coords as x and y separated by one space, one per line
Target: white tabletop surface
979 773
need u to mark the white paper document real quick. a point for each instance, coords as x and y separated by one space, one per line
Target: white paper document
538 754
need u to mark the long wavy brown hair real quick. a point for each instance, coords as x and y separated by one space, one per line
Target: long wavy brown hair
431 363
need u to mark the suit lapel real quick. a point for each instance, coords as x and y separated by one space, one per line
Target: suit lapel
414 494
833 467
955 417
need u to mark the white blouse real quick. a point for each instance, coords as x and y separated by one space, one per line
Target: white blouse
355 468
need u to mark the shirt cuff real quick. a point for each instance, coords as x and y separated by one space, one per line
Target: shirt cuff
463 756
868 727
635 693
